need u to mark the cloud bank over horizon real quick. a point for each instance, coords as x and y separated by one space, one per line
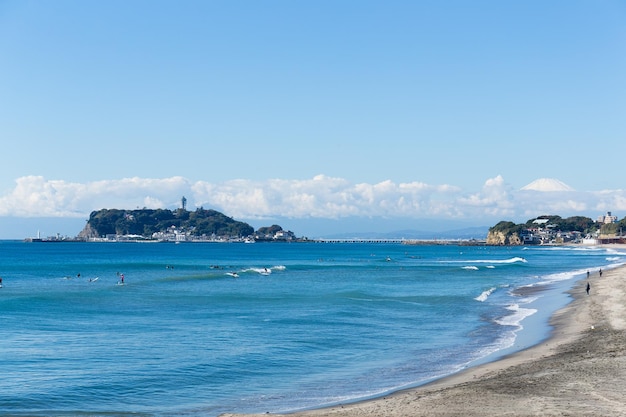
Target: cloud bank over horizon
320 197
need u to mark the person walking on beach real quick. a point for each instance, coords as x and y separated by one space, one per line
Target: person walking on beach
588 288
600 273
587 274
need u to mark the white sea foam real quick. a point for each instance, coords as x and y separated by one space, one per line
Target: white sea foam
516 259
505 341
529 300
485 294
471 267
574 248
563 276
262 271
515 319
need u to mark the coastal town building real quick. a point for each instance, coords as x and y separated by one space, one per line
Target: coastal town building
607 219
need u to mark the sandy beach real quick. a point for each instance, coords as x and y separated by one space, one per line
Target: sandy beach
579 371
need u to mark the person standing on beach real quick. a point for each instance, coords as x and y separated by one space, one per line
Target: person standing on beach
600 273
588 288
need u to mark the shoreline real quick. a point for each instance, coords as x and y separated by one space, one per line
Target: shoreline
578 371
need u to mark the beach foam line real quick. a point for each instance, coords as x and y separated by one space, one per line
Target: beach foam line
517 316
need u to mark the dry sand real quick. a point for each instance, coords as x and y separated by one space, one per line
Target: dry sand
579 371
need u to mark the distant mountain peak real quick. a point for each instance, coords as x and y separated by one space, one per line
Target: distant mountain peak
547 184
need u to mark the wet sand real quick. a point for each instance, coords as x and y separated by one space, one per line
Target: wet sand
579 371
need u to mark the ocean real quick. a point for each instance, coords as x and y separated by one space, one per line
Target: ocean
199 329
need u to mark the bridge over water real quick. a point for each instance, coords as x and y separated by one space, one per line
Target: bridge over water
359 240
405 241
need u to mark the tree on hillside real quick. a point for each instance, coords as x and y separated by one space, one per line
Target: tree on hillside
507 228
269 230
609 229
570 224
577 224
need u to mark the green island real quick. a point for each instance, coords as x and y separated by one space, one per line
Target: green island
178 225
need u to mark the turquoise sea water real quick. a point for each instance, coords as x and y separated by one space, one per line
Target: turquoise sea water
325 323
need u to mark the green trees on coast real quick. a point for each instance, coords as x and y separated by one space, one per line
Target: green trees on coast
146 222
571 224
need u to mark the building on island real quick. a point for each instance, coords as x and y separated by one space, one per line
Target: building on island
607 219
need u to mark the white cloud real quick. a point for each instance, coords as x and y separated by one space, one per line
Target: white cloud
494 200
34 196
320 197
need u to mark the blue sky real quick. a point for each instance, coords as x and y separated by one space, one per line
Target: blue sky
402 114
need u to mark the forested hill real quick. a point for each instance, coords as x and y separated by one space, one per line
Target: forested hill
552 229
146 222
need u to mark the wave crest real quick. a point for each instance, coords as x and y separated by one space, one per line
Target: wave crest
485 294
